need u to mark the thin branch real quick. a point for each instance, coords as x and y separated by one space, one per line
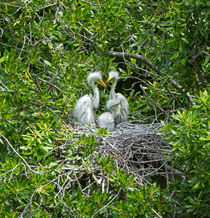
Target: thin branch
52 81
195 64
3 85
13 46
49 83
134 56
16 6
202 52
86 30
149 64
37 84
156 213
107 204
2 32
6 91
43 7
16 152
53 113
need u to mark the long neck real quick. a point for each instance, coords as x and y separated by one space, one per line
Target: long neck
112 92
95 96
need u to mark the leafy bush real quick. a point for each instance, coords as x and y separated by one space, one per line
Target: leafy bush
189 134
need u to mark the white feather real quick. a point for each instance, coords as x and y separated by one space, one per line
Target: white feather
117 103
83 112
106 121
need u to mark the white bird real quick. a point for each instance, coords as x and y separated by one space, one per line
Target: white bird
84 106
106 121
117 103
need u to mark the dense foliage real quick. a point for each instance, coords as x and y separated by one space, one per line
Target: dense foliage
189 134
47 49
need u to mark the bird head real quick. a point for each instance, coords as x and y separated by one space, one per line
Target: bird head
96 77
113 75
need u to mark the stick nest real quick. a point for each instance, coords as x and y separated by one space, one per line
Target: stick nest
135 147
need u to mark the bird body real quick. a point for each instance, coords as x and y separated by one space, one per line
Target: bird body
84 110
119 108
117 103
85 105
106 121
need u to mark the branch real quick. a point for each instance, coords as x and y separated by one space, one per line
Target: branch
50 84
6 91
195 64
107 203
4 86
86 29
149 64
43 7
202 52
53 113
52 81
16 6
134 56
157 105
16 152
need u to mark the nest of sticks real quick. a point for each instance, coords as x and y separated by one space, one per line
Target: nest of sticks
135 147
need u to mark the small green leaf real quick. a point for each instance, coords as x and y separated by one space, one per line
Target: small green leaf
183 61
47 63
176 55
2 59
133 61
185 40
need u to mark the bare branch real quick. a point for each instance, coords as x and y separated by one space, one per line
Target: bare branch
86 30
4 86
52 81
6 91
108 203
149 64
158 106
50 84
2 32
134 56
202 52
17 152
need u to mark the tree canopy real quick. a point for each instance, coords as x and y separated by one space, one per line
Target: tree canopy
47 49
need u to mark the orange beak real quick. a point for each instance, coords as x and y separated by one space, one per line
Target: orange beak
102 83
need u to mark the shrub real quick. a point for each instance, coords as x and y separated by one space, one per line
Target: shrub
189 134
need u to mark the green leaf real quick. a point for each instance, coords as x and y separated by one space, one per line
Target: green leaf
47 63
176 55
2 59
185 40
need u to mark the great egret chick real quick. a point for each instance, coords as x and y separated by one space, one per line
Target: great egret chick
84 106
106 121
117 103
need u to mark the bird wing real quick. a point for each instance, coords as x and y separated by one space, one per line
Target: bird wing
111 103
123 104
123 107
84 110
119 108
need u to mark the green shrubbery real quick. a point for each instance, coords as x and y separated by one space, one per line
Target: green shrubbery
189 134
